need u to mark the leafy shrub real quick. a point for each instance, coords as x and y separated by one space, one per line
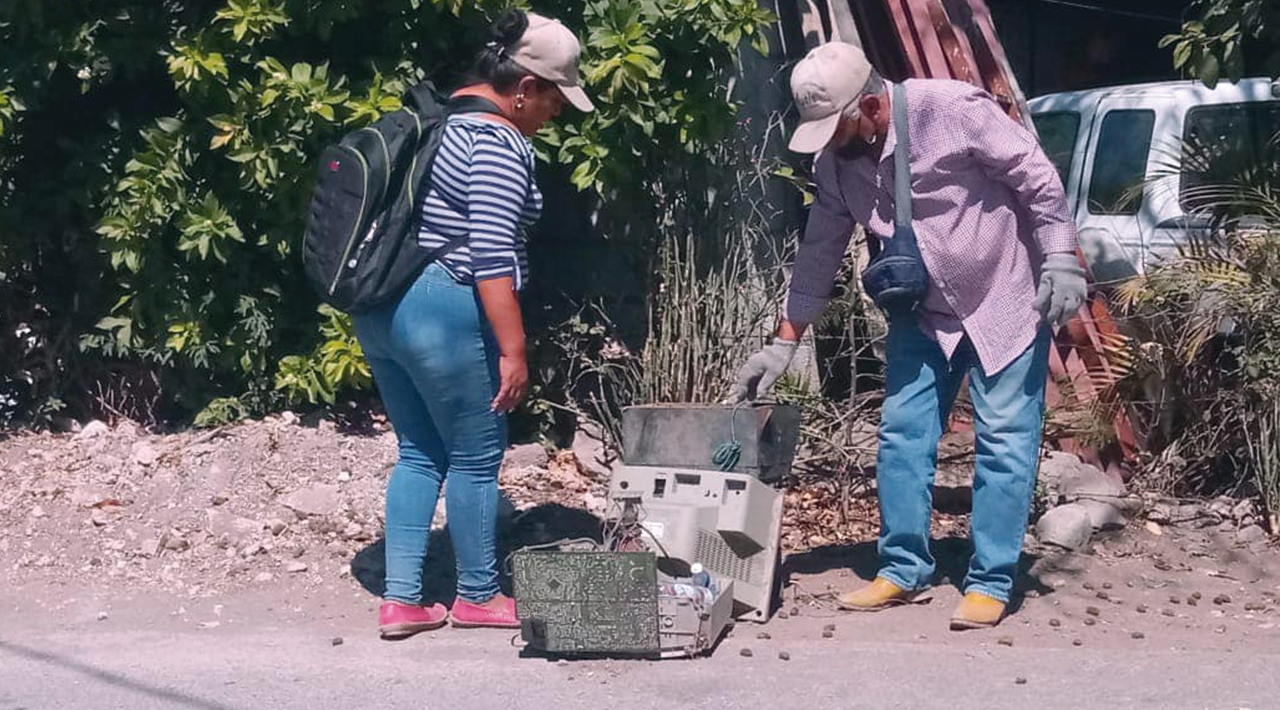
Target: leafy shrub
1201 356
155 163
1227 39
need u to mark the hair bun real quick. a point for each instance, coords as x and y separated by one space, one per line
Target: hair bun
509 27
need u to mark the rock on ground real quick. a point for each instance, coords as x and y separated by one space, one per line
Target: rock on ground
1104 516
1251 534
526 456
1067 526
314 501
1066 475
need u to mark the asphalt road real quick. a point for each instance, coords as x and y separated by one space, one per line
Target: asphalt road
92 665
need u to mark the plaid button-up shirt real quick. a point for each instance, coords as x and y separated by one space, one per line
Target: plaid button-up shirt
988 205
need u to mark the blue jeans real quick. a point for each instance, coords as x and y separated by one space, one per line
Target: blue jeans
1008 409
435 362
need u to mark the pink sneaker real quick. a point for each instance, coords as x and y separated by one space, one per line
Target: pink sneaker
397 620
502 615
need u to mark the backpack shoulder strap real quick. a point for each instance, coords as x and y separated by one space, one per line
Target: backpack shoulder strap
472 104
424 100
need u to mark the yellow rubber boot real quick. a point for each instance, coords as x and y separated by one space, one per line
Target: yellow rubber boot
880 594
977 611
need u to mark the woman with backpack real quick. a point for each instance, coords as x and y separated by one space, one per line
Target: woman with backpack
449 356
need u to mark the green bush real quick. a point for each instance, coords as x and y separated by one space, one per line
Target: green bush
1227 39
1201 355
155 164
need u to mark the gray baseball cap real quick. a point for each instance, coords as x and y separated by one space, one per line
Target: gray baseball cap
823 84
549 50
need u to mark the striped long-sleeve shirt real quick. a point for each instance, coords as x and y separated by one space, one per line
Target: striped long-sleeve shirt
481 186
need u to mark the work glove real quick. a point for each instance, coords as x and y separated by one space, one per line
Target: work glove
1062 288
757 376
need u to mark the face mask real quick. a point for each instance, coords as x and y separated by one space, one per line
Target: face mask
858 147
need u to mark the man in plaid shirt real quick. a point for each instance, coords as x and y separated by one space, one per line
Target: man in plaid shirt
994 233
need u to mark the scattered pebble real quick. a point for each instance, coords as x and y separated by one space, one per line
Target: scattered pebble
1104 596
828 634
1166 612
1137 635
1106 585
337 641
1090 621
746 653
1191 601
1088 586
783 655
763 636
1222 599
795 611
1077 642
1197 596
783 614
102 616
1055 623
1020 680
1220 630
1141 608
1255 606
1174 600
295 567
829 627
1005 641
1093 611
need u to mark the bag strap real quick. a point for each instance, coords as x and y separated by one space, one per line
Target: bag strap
901 159
472 104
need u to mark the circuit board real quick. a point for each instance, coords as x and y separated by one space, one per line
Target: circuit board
587 602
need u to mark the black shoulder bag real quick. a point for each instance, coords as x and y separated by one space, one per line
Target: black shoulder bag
896 278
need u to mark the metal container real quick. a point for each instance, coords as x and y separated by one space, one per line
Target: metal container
688 435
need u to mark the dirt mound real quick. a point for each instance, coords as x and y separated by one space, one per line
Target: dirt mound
198 513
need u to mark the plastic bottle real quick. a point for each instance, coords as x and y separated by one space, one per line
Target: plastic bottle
701 577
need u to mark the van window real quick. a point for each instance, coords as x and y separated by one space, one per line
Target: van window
1058 132
1228 144
1120 162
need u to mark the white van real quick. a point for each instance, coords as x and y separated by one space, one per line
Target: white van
1132 157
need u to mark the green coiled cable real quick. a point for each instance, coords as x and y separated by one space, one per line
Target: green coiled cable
727 455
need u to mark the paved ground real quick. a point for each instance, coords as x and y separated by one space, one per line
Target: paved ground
297 667
276 649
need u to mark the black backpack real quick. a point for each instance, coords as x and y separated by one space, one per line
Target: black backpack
360 248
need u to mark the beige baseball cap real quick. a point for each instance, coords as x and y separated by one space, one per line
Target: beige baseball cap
549 50
823 84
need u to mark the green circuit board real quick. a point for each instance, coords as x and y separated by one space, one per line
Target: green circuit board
587 602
